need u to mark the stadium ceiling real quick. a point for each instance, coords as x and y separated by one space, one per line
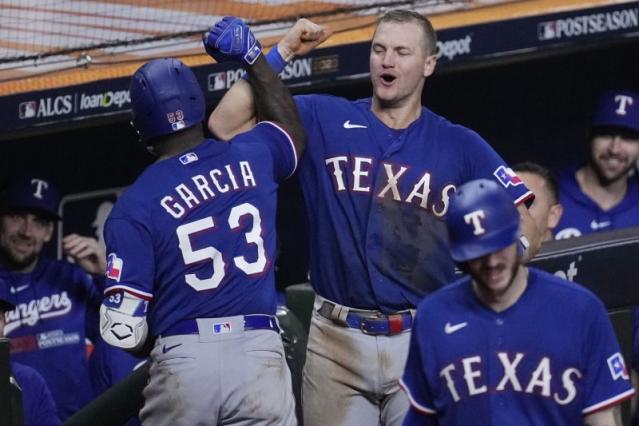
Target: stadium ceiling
46 44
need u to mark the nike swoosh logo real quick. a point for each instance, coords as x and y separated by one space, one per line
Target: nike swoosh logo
598 225
165 348
18 289
348 125
450 328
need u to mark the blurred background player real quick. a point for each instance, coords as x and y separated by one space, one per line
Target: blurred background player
192 242
601 195
545 209
37 403
56 301
488 350
370 182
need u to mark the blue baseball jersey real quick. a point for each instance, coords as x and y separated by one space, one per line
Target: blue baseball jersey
195 234
376 198
37 403
549 359
54 316
583 216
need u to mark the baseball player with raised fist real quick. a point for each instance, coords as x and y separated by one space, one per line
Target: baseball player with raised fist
377 179
191 246
507 344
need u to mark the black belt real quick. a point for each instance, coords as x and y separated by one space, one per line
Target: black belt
373 323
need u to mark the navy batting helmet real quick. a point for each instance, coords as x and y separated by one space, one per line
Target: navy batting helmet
166 98
481 219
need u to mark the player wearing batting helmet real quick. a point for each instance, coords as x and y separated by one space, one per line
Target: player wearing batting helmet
376 170
508 344
601 195
191 246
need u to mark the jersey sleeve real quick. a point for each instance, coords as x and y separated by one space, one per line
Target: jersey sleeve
130 257
414 380
606 377
487 164
279 144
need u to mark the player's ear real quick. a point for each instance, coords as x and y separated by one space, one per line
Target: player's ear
429 65
48 233
554 215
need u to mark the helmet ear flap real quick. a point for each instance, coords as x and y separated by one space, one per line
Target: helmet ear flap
481 219
165 98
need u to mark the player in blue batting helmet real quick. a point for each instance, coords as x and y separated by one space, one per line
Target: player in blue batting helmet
493 216
166 98
486 349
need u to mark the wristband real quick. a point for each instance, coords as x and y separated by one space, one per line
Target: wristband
275 60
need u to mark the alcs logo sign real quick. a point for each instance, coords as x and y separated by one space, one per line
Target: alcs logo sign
46 107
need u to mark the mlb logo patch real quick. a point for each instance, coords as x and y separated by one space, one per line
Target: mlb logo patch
617 367
178 125
189 157
114 267
222 328
506 176
546 30
217 81
27 109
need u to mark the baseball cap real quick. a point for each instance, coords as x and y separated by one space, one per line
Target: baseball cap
6 301
28 192
617 108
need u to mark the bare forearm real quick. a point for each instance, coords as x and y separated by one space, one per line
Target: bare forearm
608 417
273 101
235 113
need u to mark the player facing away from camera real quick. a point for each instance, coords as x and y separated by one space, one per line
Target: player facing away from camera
508 344
191 246
377 178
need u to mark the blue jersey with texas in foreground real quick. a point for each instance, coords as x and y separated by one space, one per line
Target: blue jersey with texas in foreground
549 359
376 198
195 234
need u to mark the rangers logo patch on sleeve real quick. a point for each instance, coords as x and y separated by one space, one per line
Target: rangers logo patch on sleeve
506 176
114 267
617 367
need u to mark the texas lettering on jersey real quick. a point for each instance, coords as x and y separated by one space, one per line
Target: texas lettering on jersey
394 174
467 377
189 195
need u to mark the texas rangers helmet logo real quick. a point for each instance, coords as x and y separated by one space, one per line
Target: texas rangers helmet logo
40 186
474 218
114 267
506 176
623 102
